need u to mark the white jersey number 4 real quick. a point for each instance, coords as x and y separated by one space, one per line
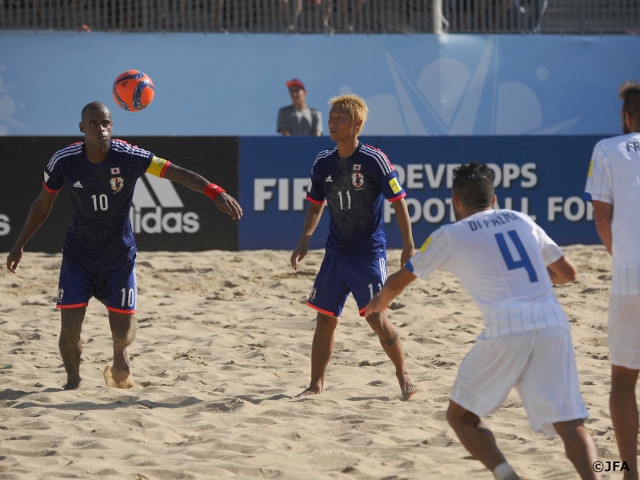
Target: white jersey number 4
512 264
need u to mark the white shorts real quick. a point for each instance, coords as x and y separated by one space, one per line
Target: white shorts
539 364
623 338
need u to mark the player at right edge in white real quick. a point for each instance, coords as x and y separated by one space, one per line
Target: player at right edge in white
613 187
507 263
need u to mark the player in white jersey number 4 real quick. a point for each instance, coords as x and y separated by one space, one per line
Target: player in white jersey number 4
507 263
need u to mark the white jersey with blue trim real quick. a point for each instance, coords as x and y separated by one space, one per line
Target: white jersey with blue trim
614 178
100 236
501 258
355 189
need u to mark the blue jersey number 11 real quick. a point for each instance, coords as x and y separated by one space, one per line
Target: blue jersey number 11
512 264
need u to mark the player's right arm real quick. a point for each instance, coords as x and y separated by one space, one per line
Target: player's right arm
38 213
603 216
314 213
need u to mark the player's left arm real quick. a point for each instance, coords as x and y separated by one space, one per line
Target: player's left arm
196 182
559 267
562 271
404 224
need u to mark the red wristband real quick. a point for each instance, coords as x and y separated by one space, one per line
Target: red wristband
212 191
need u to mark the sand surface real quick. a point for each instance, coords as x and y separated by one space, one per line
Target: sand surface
223 342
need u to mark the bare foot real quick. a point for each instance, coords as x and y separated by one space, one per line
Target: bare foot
409 391
118 379
408 387
308 392
72 384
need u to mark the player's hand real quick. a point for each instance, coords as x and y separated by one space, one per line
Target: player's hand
375 305
405 256
229 205
297 255
13 259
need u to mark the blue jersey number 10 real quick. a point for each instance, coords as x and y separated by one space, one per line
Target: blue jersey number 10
512 264
101 202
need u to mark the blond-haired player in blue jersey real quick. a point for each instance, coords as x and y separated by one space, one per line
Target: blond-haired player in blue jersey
613 186
99 251
507 263
353 180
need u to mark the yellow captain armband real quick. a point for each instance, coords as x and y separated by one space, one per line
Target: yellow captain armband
158 166
395 185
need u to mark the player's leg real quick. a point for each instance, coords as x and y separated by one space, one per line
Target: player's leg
366 277
390 341
477 439
327 297
118 291
70 344
123 332
550 393
74 292
321 350
579 447
624 416
486 375
623 340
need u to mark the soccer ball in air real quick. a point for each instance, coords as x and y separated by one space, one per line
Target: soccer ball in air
133 90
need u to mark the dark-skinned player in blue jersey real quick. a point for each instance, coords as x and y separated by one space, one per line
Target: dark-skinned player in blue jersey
352 180
99 251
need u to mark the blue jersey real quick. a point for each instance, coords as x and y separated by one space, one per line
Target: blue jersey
99 238
354 189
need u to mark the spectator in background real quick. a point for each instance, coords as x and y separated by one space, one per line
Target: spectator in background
527 14
289 21
347 15
298 119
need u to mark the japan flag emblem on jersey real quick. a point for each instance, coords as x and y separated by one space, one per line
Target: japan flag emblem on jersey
357 179
117 183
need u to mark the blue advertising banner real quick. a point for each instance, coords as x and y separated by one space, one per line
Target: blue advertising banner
543 176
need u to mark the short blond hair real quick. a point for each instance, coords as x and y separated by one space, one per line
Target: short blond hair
354 105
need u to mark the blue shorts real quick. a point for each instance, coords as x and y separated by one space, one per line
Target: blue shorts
339 276
116 290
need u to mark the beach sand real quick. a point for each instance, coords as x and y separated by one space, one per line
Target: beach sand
224 341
